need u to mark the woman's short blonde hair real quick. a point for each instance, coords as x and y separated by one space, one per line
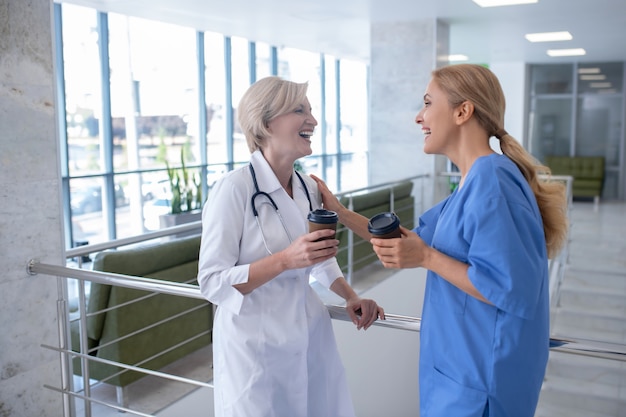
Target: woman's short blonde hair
264 100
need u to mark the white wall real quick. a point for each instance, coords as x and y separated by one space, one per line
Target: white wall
382 363
403 55
512 76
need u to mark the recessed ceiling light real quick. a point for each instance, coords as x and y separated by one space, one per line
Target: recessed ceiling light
566 52
591 70
549 36
494 3
457 57
600 85
594 77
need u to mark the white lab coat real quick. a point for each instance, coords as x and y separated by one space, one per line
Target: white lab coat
274 350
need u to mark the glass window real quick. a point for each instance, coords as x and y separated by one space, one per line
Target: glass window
354 102
153 103
330 161
83 95
331 104
263 60
551 79
118 183
83 99
599 107
611 184
153 92
598 133
241 81
90 201
599 126
550 127
215 98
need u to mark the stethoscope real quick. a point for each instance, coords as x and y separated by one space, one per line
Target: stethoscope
259 193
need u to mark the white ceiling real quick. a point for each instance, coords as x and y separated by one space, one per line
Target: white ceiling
341 27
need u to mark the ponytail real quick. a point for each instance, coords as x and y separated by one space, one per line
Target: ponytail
550 194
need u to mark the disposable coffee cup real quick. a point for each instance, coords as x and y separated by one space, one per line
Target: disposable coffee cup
384 226
322 219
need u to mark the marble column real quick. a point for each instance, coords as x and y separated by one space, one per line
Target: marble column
30 211
402 56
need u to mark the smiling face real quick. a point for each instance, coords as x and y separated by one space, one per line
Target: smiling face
437 120
290 133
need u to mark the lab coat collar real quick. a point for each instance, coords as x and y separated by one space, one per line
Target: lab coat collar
267 180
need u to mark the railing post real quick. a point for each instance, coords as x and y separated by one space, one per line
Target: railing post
65 359
350 244
84 345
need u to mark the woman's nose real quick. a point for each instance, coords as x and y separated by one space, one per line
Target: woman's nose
418 117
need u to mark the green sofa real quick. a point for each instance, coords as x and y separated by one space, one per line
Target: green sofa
587 173
368 204
140 328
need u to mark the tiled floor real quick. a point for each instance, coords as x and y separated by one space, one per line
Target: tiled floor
592 305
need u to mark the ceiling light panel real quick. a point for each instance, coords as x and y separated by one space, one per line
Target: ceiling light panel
549 36
591 70
457 58
495 3
567 52
593 77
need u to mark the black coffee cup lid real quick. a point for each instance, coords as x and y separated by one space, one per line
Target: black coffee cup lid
383 223
323 216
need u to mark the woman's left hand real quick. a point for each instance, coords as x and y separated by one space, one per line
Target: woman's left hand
364 312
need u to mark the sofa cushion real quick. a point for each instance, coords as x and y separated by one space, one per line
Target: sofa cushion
143 261
587 173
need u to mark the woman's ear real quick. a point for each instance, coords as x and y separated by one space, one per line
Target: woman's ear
464 112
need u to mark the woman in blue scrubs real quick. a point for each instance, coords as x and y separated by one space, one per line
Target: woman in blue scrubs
484 339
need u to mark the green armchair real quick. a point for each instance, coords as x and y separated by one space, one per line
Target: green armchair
144 329
587 173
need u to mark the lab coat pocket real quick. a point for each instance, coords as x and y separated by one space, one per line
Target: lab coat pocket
451 398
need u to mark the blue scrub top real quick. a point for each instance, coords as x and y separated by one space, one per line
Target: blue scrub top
478 359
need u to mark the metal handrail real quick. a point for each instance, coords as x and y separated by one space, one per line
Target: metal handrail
97 247
583 347
381 185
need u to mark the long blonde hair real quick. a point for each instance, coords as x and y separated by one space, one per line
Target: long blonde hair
480 86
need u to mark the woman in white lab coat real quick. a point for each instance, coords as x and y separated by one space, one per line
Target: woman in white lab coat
274 351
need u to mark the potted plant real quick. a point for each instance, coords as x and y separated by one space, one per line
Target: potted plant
186 195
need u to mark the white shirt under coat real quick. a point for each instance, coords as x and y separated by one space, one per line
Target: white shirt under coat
274 350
